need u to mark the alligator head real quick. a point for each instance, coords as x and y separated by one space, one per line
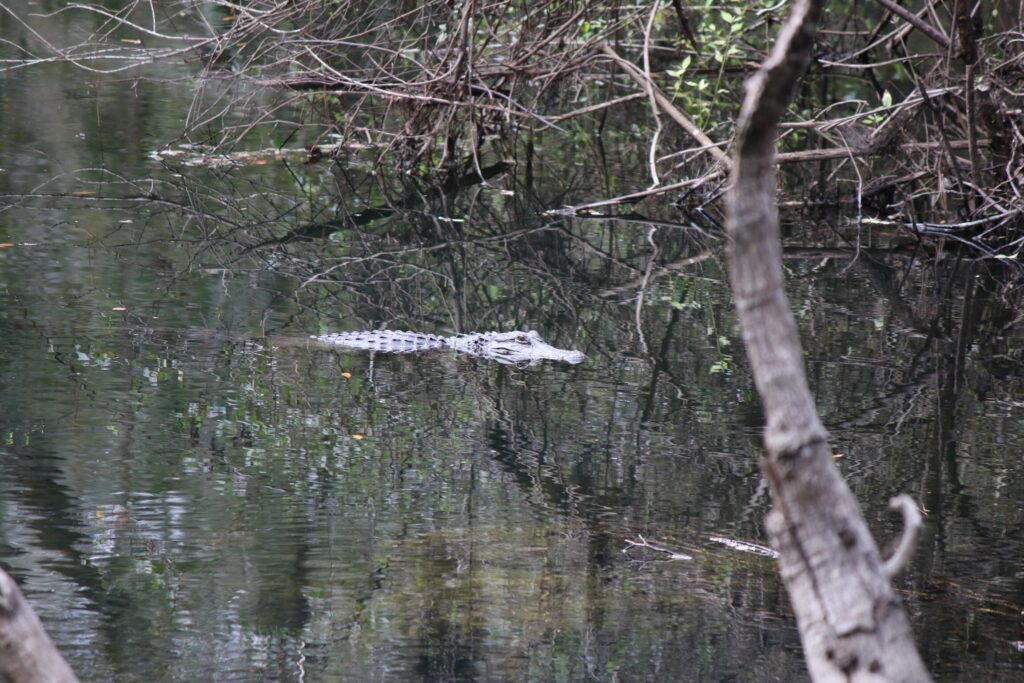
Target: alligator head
513 348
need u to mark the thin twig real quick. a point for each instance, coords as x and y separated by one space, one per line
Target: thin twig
684 122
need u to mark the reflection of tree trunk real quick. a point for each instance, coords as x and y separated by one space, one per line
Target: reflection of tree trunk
28 654
851 622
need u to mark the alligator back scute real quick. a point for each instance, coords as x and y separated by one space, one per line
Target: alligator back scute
385 341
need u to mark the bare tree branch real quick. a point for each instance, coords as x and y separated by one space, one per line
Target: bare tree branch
851 622
27 655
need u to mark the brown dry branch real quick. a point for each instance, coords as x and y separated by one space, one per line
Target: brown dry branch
423 86
941 112
666 104
917 22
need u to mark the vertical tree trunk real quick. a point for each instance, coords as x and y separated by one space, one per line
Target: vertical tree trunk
27 655
852 624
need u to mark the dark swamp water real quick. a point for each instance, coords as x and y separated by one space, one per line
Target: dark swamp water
191 491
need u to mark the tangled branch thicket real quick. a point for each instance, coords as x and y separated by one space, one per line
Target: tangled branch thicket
911 114
418 79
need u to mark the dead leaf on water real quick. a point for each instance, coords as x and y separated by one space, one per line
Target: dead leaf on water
347 375
358 437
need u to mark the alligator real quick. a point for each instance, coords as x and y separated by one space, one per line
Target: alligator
510 348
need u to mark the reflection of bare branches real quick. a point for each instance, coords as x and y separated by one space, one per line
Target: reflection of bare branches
644 544
389 258
96 51
634 197
668 269
455 254
744 546
638 309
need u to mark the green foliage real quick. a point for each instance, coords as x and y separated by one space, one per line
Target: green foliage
589 28
878 117
724 37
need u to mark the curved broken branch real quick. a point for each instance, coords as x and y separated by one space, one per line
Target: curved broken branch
904 551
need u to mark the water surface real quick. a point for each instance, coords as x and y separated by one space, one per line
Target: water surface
189 490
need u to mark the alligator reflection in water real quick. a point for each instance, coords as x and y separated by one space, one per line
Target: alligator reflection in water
511 348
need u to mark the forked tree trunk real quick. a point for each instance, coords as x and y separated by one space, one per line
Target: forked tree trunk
852 624
27 655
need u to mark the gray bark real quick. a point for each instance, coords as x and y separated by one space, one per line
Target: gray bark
27 655
852 623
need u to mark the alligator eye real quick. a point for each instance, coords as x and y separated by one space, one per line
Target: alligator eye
522 339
